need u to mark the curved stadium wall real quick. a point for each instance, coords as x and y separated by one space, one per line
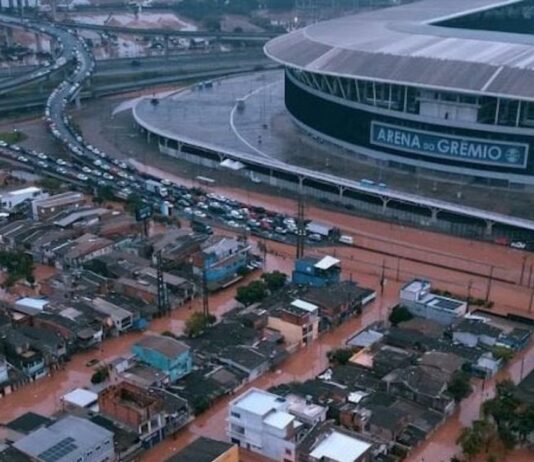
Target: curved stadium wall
326 106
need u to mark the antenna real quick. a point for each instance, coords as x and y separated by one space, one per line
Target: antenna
301 227
163 293
205 294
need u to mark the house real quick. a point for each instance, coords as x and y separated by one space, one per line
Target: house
486 366
69 439
448 363
122 319
19 353
75 253
44 208
423 384
50 343
417 297
261 422
315 272
166 354
338 302
245 359
297 322
207 450
180 289
11 199
152 413
221 259
472 332
136 408
331 443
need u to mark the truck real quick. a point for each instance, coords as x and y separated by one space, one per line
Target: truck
200 227
156 187
344 239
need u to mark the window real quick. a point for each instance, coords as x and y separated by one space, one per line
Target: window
288 452
237 415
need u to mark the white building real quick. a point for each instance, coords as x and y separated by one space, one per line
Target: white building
340 447
13 198
9 4
4 377
417 297
266 423
71 439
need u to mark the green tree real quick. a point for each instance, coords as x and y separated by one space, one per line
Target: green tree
477 438
105 193
399 314
254 292
340 356
50 184
197 323
275 280
504 353
100 375
459 387
18 265
470 442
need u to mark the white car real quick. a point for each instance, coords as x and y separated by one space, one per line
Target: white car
60 161
518 245
82 177
22 159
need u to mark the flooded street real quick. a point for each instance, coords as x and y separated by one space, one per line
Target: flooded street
396 252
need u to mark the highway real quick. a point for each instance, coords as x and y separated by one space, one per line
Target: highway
37 73
259 37
97 168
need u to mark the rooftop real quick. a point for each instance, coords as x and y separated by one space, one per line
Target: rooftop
201 450
404 44
80 397
259 402
339 447
327 263
58 441
279 419
28 422
169 347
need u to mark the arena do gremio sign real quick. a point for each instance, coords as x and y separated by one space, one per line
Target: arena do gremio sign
452 147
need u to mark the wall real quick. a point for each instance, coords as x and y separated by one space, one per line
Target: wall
232 455
292 333
352 125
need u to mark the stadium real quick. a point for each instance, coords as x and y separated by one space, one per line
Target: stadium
440 85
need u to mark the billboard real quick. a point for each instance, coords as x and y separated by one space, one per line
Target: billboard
452 147
143 213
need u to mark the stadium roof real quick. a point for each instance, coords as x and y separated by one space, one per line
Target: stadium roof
403 44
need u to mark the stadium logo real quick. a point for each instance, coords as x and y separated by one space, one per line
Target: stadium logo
512 155
460 148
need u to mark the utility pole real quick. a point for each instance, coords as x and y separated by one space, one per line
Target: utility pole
383 277
205 294
490 280
469 285
163 293
523 270
301 227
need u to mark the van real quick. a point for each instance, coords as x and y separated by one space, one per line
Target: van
344 239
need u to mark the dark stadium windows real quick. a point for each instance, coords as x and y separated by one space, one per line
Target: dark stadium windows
508 112
528 114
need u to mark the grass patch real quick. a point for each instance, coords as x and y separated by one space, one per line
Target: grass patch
13 137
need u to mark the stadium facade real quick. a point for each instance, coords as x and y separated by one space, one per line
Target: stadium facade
422 85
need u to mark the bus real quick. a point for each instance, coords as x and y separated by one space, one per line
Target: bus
205 180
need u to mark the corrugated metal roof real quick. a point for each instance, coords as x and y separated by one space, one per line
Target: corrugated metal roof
402 44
